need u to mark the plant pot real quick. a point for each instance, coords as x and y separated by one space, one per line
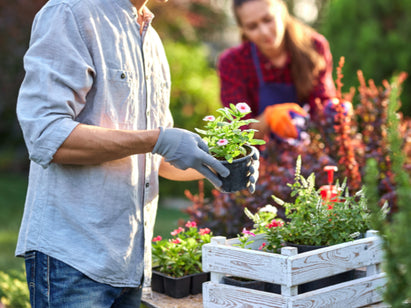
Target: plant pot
244 283
197 281
324 282
157 281
173 287
239 175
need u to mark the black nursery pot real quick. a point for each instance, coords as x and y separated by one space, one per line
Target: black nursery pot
239 176
197 281
244 283
173 287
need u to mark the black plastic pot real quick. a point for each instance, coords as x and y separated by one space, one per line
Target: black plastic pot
244 283
178 287
239 175
197 281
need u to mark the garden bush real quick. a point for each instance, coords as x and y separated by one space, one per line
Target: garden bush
347 145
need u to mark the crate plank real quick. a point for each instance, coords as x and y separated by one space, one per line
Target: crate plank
223 296
335 259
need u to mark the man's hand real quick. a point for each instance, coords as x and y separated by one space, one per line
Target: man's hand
184 149
280 119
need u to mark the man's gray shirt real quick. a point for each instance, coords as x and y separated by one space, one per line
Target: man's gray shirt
88 63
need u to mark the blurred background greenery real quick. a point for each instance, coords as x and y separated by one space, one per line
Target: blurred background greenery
372 35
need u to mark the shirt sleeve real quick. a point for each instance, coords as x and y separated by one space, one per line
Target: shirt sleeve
233 88
325 87
59 75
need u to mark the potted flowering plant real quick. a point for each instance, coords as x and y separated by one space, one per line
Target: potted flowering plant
317 218
177 261
230 142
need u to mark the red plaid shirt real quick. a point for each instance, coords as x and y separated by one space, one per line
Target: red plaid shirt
239 81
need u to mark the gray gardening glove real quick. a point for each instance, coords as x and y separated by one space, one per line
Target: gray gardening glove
254 173
184 149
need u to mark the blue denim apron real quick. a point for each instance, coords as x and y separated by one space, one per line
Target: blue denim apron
271 93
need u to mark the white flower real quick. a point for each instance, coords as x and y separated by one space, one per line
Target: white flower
222 142
243 107
209 118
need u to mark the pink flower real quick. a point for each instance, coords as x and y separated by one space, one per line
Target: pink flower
243 107
262 246
177 231
275 223
157 238
176 241
245 231
209 118
222 142
204 231
191 224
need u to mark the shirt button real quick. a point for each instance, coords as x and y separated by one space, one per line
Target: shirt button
122 76
148 113
147 185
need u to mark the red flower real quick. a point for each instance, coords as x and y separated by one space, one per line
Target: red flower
177 231
275 223
176 241
204 231
191 224
157 238
262 246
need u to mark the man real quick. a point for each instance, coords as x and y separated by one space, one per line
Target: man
94 111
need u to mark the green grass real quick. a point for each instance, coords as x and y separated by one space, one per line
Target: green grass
12 195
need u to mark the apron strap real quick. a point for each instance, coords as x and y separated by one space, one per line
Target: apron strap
257 64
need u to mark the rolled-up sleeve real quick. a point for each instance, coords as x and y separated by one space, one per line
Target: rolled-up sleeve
59 76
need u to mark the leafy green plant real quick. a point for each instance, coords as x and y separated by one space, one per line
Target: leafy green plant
14 292
314 220
180 255
224 134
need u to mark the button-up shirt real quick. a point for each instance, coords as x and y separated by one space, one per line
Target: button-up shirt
239 81
90 62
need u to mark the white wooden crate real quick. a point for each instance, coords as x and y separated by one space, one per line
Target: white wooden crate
289 270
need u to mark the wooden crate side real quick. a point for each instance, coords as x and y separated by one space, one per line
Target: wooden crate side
356 293
221 296
335 259
245 263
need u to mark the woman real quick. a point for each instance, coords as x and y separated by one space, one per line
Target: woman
281 66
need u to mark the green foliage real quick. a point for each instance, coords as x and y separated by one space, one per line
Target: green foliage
315 221
396 231
372 35
194 90
226 135
14 292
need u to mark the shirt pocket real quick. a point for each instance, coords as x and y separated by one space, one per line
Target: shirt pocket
121 96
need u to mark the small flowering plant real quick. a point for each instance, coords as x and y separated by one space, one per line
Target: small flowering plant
224 134
180 255
315 220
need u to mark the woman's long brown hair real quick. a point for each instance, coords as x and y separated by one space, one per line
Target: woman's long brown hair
306 63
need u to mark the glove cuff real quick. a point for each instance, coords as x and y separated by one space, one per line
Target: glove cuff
159 140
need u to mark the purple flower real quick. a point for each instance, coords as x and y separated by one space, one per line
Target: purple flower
245 231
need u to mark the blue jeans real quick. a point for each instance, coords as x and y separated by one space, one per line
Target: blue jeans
55 284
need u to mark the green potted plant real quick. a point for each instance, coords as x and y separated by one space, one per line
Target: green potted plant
314 219
229 140
177 268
